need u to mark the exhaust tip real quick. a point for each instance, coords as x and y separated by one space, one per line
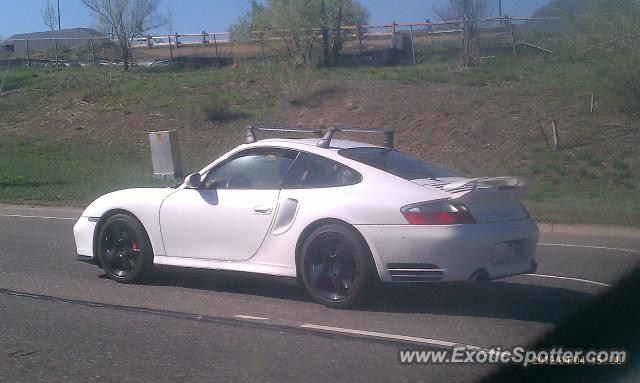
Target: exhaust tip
480 275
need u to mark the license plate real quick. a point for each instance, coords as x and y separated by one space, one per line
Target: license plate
509 252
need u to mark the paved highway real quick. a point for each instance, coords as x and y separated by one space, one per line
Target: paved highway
62 320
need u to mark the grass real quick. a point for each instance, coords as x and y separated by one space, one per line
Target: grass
581 187
36 169
584 201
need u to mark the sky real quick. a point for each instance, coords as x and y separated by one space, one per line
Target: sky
194 16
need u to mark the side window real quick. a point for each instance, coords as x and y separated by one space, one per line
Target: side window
311 171
252 169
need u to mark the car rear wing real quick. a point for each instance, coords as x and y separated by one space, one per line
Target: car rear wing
326 138
502 183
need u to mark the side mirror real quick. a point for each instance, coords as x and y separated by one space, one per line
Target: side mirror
193 181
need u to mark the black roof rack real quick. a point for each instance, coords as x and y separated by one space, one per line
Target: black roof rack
250 137
326 140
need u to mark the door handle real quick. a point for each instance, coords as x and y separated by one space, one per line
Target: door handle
262 210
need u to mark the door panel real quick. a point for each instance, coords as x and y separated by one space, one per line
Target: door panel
230 213
216 224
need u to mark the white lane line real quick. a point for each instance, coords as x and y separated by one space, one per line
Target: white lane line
590 247
569 279
37 216
250 317
432 342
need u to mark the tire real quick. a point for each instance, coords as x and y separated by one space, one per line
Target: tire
336 267
124 249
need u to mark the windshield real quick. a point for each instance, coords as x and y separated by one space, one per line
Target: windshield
397 163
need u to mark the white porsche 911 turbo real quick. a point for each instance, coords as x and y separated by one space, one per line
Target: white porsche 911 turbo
337 215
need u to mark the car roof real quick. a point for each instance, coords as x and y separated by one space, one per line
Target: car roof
336 144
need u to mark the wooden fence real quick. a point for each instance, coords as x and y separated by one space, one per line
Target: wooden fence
353 32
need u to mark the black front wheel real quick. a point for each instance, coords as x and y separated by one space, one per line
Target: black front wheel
336 267
124 249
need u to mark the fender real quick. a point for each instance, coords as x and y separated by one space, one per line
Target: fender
143 203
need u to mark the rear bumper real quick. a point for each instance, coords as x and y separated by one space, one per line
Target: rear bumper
413 253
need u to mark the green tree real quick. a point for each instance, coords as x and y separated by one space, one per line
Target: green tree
297 30
126 19
335 14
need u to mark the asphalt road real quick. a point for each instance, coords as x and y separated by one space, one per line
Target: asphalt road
62 320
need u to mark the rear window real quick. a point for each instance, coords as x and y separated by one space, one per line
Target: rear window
395 162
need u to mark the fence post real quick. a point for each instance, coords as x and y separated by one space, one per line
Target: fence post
556 135
175 36
149 44
393 27
204 38
513 39
93 53
170 46
57 57
215 44
413 50
360 38
28 55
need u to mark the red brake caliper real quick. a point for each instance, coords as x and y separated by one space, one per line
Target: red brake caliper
134 246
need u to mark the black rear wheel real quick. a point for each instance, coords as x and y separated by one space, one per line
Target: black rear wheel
124 249
336 267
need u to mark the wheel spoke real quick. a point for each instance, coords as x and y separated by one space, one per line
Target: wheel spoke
124 237
317 272
131 258
348 283
114 233
326 246
110 257
339 288
125 266
348 272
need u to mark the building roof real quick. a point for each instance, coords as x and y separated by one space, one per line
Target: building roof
61 34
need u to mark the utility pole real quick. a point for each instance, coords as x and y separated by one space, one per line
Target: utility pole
59 15
500 7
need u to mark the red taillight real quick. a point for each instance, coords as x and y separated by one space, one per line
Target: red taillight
437 213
